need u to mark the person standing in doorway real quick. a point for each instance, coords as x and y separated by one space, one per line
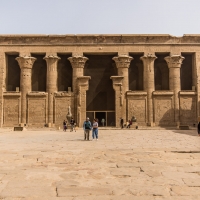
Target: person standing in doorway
87 127
95 129
121 123
198 128
103 121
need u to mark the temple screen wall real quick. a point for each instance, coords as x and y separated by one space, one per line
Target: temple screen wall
159 85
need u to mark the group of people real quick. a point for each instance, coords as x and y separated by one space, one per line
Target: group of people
127 124
87 127
72 125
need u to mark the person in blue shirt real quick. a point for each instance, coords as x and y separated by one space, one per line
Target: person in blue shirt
87 128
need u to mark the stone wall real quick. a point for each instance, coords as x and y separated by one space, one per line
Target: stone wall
164 93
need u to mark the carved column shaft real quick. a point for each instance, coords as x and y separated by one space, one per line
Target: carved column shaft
52 77
117 86
148 84
78 63
26 64
123 63
83 86
174 64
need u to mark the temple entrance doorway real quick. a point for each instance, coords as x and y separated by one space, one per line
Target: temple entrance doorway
108 116
100 98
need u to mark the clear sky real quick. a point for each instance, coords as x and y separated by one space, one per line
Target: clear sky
175 17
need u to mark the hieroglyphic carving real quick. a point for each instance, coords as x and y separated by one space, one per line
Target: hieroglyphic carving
137 108
11 111
188 109
36 114
163 111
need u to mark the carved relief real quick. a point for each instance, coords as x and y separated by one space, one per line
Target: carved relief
137 108
36 114
188 109
163 111
11 111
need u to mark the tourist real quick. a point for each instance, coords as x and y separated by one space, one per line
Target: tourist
198 128
121 123
64 125
129 124
72 123
103 121
87 127
95 129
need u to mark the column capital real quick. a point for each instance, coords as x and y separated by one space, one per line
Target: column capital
25 62
148 61
148 57
123 61
174 61
78 61
51 59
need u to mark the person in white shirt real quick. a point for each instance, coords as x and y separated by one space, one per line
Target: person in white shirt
95 129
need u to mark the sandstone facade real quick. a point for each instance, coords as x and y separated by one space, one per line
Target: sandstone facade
152 77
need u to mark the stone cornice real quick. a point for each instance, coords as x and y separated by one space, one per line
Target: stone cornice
53 40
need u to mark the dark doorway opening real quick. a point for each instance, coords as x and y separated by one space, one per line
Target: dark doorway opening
100 116
136 72
108 116
12 72
39 72
64 73
186 71
101 96
161 72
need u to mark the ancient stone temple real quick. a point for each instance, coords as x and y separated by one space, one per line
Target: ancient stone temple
154 78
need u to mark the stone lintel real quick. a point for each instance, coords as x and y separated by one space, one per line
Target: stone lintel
12 94
187 93
37 94
163 93
63 94
94 39
136 93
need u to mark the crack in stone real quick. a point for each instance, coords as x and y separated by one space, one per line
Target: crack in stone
185 151
56 192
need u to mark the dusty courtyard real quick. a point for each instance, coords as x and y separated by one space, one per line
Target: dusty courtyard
122 164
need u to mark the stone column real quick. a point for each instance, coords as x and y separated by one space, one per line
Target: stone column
123 63
148 84
119 98
82 87
52 76
174 64
26 64
78 63
2 84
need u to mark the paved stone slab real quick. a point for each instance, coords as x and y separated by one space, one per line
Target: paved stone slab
122 164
